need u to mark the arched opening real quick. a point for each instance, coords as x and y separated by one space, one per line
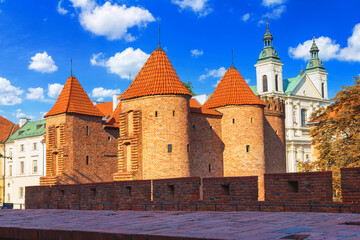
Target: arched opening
265 84
322 90
127 157
55 164
276 83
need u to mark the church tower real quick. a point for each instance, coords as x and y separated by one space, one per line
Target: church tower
269 68
316 71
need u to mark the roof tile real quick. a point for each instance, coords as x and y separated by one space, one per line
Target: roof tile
6 128
156 77
232 90
73 99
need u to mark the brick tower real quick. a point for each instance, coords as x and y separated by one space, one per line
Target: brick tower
275 145
73 133
154 123
242 127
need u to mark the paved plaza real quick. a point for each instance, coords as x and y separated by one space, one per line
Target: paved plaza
75 224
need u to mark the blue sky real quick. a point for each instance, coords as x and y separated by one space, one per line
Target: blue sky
109 40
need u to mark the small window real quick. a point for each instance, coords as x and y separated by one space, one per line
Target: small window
247 148
87 160
21 192
10 152
194 127
22 167
265 85
87 131
38 126
156 114
233 121
34 146
173 113
276 83
293 186
211 127
251 120
35 167
169 148
188 148
93 190
172 189
128 190
303 117
109 138
22 148
225 189
322 90
209 168
21 132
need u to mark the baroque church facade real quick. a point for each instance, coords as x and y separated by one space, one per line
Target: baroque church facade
156 130
302 94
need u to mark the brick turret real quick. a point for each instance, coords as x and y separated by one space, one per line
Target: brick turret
275 145
154 123
242 126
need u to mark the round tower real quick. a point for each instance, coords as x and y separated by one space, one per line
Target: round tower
154 123
242 127
274 128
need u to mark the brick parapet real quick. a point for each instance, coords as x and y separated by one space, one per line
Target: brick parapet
350 185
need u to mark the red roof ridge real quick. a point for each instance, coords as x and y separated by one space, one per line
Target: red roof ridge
73 99
232 90
156 77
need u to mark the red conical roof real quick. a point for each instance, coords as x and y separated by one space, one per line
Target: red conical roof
156 77
73 99
232 90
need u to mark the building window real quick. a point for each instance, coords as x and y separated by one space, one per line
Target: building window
10 152
87 131
22 148
87 160
276 83
265 84
211 127
194 127
35 167
21 192
169 148
156 114
10 170
209 168
34 146
38 126
322 90
22 167
57 136
251 120
188 148
109 138
233 121
173 113
247 148
303 117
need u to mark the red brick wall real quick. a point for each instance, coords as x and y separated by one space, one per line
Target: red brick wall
206 146
301 188
350 185
177 190
230 189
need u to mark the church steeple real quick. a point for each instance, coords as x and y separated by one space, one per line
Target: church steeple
268 53
315 63
268 38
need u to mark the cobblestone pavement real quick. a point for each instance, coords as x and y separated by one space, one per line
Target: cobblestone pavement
208 225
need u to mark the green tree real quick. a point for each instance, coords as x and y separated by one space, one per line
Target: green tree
336 135
189 87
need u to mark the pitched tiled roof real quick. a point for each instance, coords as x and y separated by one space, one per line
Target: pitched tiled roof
156 77
113 120
195 107
73 99
106 108
30 129
232 90
6 128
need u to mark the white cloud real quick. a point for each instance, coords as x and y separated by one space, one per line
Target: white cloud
20 114
54 90
275 13
196 53
122 63
60 9
329 49
271 3
245 17
200 7
111 20
35 94
9 95
214 73
43 63
101 93
247 80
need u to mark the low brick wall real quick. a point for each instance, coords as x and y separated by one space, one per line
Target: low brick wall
230 189
350 185
176 190
299 188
